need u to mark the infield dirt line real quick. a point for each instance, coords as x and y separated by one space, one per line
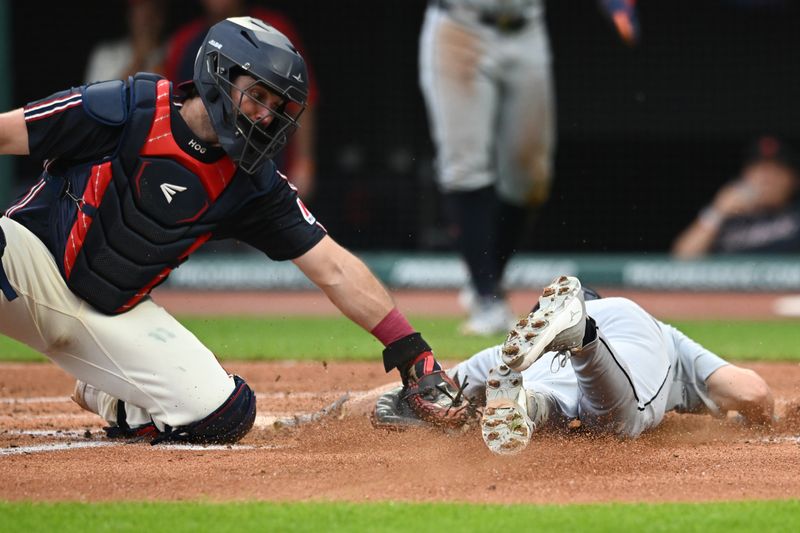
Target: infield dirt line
76 445
266 420
355 395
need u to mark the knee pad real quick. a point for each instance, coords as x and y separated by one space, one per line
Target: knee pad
228 424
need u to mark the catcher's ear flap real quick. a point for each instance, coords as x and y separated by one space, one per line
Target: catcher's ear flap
403 351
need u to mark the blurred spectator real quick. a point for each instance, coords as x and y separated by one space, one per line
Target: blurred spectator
298 160
757 212
141 50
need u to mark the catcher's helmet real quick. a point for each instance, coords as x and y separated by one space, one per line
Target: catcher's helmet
246 45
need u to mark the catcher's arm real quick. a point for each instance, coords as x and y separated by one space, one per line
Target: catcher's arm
347 282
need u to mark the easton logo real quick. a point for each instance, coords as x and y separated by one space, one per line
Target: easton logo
171 190
215 44
197 146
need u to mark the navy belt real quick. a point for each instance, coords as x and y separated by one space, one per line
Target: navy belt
503 22
5 285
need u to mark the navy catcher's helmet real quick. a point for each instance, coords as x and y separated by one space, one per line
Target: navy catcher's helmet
246 45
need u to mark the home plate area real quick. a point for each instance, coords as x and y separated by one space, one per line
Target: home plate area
313 441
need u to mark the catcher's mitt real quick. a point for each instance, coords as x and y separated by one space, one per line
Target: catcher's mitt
442 405
435 398
392 412
430 394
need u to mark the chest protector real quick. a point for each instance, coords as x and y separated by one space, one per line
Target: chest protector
142 212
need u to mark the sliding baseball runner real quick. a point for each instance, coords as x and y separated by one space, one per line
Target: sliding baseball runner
605 362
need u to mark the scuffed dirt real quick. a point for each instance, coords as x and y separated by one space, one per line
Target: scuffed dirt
688 458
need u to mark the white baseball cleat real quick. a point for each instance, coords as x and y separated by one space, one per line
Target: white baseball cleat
557 325
512 413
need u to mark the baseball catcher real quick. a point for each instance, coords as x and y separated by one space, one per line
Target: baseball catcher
604 362
137 176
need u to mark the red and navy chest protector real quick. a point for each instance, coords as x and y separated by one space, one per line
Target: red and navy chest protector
119 225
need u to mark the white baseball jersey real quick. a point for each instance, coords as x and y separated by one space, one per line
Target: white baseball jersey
663 368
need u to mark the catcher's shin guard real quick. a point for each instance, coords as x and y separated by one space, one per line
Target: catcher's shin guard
228 424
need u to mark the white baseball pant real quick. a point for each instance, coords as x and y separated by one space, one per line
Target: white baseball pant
144 357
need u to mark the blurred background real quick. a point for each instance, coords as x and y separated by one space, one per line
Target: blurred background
646 134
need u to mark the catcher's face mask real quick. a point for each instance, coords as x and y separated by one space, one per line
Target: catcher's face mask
262 118
253 84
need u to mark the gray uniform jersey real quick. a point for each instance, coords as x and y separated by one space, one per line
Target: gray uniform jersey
663 368
486 79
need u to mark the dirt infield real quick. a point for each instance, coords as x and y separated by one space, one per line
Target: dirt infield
51 450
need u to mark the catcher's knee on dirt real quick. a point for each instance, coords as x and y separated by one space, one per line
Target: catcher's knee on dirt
228 424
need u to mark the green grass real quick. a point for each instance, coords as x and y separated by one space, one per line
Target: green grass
772 516
776 340
335 338
309 338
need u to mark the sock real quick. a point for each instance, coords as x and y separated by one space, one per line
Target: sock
474 217
514 225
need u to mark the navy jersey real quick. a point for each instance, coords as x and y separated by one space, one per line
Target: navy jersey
761 233
88 141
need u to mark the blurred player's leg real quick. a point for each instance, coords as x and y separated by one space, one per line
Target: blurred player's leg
526 135
144 357
457 69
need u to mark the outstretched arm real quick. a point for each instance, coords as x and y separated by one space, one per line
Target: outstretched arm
347 282
13 133
734 388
